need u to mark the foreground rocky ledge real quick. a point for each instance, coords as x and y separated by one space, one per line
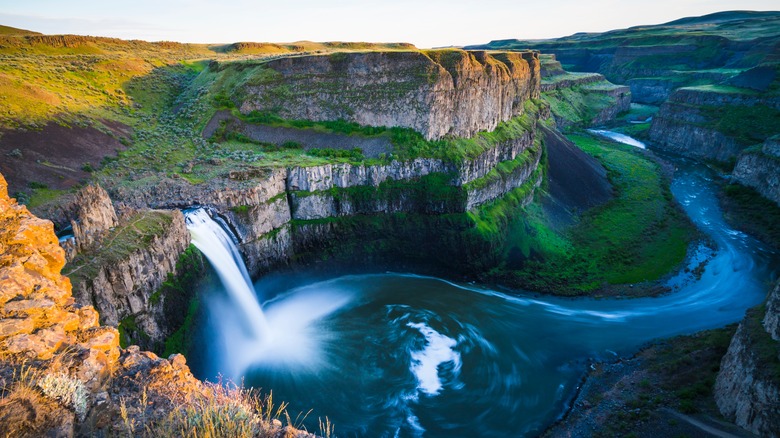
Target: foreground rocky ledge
63 375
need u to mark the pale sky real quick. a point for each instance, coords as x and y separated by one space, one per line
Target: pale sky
425 23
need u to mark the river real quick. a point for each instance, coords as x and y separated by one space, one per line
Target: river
404 355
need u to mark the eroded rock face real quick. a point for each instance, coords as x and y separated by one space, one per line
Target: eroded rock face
438 93
760 169
38 316
746 390
94 216
127 287
685 124
772 316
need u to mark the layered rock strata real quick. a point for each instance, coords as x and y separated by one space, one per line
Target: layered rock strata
437 93
688 122
760 168
45 336
747 389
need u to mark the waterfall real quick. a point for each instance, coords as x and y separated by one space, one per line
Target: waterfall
220 249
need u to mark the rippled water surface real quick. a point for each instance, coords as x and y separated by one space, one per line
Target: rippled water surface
402 355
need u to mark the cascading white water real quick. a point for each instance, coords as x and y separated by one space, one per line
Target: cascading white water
218 247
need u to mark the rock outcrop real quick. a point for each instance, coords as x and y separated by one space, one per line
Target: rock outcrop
118 264
760 168
94 216
583 99
127 285
437 93
38 316
688 123
64 374
747 389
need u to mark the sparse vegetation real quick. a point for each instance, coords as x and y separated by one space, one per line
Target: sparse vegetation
68 390
135 234
747 210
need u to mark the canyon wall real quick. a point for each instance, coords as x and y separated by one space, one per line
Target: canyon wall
711 123
63 373
760 168
748 386
118 265
437 93
128 286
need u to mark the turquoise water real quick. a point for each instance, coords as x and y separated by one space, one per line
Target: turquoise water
403 355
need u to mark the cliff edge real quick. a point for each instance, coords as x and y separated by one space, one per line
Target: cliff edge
747 389
63 374
438 93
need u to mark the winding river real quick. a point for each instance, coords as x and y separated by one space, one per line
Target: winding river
404 355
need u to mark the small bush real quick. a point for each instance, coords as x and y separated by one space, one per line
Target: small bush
291 145
224 410
87 167
69 391
37 185
22 197
355 154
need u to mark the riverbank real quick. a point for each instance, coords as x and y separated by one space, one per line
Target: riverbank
663 390
629 246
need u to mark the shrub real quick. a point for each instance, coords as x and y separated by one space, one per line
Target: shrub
291 145
355 154
69 391
223 410
37 185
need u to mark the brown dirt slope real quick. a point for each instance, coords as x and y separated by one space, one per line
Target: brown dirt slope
56 155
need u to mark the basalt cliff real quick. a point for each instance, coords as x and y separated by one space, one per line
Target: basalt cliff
747 389
437 93
63 374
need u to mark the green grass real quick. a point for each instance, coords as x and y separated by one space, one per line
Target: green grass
578 105
748 125
679 372
407 143
638 236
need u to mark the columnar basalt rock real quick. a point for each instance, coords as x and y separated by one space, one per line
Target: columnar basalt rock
127 286
94 216
747 390
43 331
438 93
760 169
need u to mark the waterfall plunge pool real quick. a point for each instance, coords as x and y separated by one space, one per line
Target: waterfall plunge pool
405 355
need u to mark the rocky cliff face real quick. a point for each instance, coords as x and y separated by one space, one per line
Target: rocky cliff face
772 315
747 389
126 286
438 93
760 168
119 266
689 122
94 216
64 374
261 204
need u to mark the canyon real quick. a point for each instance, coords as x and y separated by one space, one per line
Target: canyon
448 162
